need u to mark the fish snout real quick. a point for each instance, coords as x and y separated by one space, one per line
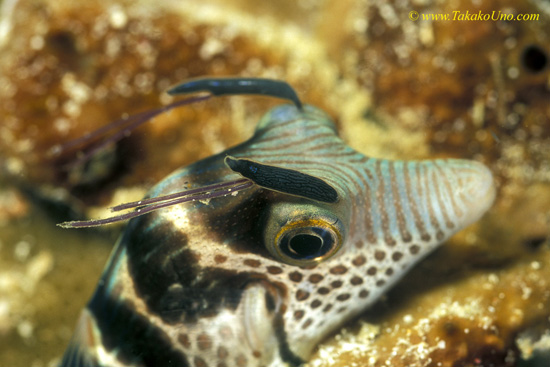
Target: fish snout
474 189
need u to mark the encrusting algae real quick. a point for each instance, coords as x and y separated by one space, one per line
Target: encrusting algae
398 89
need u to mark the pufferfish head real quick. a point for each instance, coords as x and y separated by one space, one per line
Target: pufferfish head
258 277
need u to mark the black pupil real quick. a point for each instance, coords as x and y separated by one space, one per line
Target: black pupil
307 246
534 59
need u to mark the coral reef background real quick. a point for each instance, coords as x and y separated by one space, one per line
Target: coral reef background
397 88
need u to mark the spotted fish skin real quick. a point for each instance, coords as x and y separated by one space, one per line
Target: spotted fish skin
196 285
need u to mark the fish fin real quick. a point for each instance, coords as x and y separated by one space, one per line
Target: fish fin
82 347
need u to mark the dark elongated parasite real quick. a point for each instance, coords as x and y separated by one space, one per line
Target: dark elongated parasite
283 180
227 86
213 270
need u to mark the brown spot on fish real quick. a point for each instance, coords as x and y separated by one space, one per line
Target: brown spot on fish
220 259
274 270
356 280
298 314
359 244
316 303
359 260
364 293
341 309
389 271
336 284
222 353
338 270
252 263
184 340
323 290
414 249
302 295
343 297
327 308
307 323
379 255
204 342
295 276
396 256
315 278
380 283
372 270
199 362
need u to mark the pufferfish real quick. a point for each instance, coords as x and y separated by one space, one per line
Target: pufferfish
274 244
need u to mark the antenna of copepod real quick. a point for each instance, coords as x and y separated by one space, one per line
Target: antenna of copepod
123 127
148 205
120 129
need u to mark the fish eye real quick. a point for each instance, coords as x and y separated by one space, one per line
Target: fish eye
305 242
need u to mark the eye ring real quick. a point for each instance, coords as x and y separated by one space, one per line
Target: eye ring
307 241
